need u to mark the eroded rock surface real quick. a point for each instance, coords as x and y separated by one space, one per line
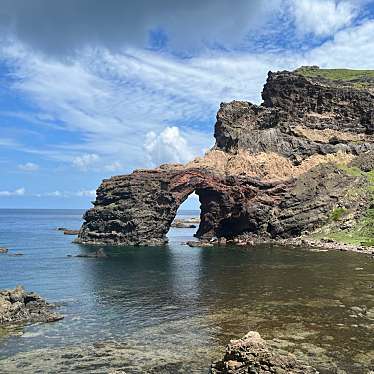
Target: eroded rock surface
277 170
252 354
20 307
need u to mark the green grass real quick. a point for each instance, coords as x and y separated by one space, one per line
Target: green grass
340 75
361 234
363 231
338 213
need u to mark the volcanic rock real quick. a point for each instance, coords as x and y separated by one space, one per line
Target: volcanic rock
277 170
19 307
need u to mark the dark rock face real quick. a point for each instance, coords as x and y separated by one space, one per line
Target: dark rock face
251 354
138 209
19 307
301 119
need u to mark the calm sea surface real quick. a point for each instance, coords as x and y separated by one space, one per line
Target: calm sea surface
172 309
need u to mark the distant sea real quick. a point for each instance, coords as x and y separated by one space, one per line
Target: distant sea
174 308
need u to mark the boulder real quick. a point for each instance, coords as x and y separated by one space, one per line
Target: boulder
252 354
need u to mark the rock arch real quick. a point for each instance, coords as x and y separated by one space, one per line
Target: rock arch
138 209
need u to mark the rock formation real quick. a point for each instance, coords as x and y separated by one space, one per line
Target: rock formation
252 354
19 307
278 170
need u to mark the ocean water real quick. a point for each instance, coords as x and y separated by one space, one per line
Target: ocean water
173 309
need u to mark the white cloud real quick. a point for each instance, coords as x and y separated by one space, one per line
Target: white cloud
86 193
54 194
168 146
28 166
351 48
114 166
6 142
84 162
323 17
17 192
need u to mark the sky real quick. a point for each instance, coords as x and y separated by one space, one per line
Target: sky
92 89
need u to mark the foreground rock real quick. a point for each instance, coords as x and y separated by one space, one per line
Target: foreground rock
20 307
251 354
300 162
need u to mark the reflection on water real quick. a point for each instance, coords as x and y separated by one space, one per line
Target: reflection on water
172 309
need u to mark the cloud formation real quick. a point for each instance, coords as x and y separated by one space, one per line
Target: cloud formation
60 27
18 192
28 166
167 146
323 17
84 162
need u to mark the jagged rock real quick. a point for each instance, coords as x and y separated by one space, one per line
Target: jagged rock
252 354
19 307
273 173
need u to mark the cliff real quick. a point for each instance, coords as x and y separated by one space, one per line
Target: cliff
301 163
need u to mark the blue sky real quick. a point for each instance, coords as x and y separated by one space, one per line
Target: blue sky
89 90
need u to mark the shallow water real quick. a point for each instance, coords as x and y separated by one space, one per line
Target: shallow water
173 309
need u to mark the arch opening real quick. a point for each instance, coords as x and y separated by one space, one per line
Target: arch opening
187 219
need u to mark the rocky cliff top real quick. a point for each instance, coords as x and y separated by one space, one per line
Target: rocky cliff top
278 170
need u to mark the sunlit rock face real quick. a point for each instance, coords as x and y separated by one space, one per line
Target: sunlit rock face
276 170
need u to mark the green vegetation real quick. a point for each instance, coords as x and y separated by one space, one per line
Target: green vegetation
338 213
358 78
362 233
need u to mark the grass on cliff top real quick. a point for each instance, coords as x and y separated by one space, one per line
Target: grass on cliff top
341 75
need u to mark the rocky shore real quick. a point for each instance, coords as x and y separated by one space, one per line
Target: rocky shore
18 306
252 354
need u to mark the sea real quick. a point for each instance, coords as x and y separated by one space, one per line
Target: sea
173 309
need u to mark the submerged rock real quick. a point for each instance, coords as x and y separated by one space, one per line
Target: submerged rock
18 306
97 254
252 354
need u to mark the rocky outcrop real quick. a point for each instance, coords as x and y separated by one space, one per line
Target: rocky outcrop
252 354
277 170
139 208
20 307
